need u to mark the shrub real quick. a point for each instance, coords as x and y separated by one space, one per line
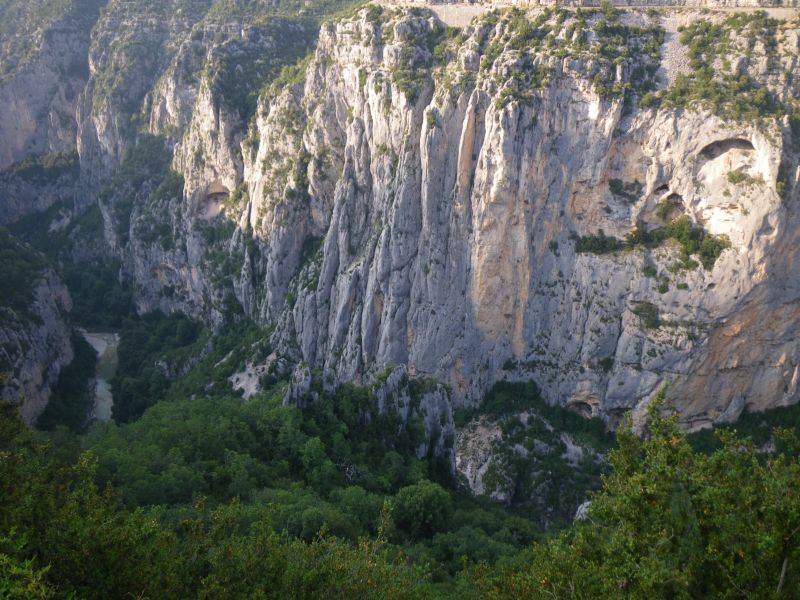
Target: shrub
648 313
739 177
606 363
598 244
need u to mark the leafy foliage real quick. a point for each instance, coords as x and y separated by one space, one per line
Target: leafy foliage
422 509
99 300
239 71
729 94
759 426
80 543
598 244
692 240
45 168
21 268
598 48
670 523
147 347
740 177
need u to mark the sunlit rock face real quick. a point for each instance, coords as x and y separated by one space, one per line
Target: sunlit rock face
449 223
408 197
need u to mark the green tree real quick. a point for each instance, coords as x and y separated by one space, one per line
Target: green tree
422 509
19 578
671 523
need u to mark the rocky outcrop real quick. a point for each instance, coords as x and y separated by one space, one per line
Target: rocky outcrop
451 216
425 400
44 71
34 337
523 459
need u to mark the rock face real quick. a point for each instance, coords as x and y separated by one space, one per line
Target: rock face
450 219
38 183
190 78
427 401
34 332
44 69
410 197
521 459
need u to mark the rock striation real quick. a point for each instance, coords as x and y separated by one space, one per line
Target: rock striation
34 329
450 218
459 202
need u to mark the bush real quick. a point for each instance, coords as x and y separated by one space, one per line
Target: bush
598 244
692 240
729 95
648 313
606 363
422 509
739 177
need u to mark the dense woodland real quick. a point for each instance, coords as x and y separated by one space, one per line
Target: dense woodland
193 491
668 522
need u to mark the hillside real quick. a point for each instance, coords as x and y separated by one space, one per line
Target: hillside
414 276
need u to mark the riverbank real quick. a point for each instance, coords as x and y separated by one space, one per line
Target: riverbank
106 345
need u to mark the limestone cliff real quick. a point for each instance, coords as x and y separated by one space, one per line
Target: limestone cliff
582 199
452 201
43 69
34 333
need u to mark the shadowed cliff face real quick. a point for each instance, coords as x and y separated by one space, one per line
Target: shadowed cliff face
34 335
458 202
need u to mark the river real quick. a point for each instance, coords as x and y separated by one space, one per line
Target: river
105 344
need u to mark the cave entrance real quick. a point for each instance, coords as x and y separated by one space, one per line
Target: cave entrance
718 148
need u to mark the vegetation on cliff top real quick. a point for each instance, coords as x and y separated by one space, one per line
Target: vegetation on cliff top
620 59
722 56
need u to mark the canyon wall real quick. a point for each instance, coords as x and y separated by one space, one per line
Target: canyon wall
490 204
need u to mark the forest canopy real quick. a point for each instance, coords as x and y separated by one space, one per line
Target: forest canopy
669 522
